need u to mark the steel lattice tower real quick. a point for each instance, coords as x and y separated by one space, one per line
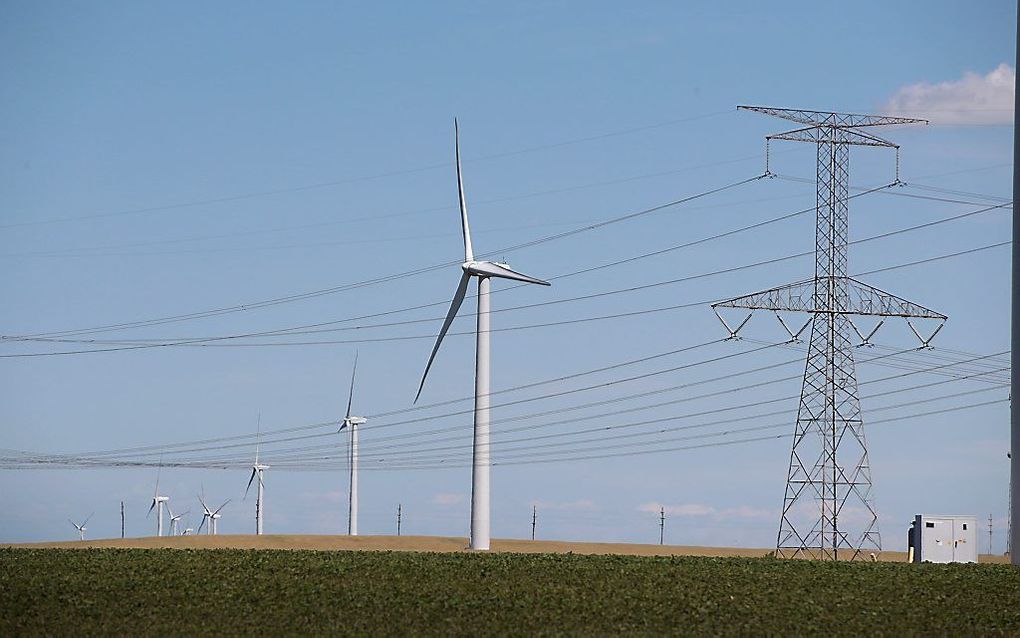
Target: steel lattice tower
828 509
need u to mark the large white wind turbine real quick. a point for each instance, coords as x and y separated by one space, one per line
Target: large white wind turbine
81 528
351 423
257 469
157 502
483 271
210 516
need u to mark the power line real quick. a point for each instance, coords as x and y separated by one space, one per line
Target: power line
137 344
332 467
404 448
87 251
281 457
386 278
157 449
364 178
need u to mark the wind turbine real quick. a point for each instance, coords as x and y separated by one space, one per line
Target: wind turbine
256 470
483 271
157 502
352 422
210 515
81 528
175 521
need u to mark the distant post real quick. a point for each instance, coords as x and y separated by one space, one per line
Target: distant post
122 519
399 507
989 534
534 517
662 523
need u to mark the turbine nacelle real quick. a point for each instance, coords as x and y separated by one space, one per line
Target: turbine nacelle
352 420
156 500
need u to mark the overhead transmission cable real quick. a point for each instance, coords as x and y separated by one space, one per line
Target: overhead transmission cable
212 341
177 451
386 278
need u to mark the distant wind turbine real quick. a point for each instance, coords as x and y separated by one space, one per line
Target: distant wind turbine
257 469
175 521
157 502
483 271
352 423
210 516
81 528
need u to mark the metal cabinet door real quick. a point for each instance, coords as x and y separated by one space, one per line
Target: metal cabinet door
937 540
964 541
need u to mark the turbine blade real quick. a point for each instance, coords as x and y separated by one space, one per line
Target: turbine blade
489 269
221 507
258 437
86 522
73 523
204 506
465 228
350 397
253 470
458 299
150 508
202 524
158 472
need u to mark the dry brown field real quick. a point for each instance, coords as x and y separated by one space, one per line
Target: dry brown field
422 544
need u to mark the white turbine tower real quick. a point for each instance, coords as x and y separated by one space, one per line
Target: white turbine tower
157 502
256 470
351 423
210 516
484 271
81 528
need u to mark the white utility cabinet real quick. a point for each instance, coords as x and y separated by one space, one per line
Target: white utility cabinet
944 539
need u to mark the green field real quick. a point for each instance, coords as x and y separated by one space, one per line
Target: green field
133 591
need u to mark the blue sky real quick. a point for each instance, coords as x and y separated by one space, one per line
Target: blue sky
162 159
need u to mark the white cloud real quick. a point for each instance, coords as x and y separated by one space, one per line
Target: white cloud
686 509
448 499
748 513
973 99
743 512
580 505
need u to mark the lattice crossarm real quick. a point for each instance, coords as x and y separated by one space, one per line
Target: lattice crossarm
831 135
842 120
796 297
868 300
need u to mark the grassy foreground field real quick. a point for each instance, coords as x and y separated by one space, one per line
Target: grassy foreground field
137 591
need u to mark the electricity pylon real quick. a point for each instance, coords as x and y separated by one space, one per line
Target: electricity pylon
828 509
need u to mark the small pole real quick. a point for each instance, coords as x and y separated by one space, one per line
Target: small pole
399 507
989 534
122 519
662 523
534 518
